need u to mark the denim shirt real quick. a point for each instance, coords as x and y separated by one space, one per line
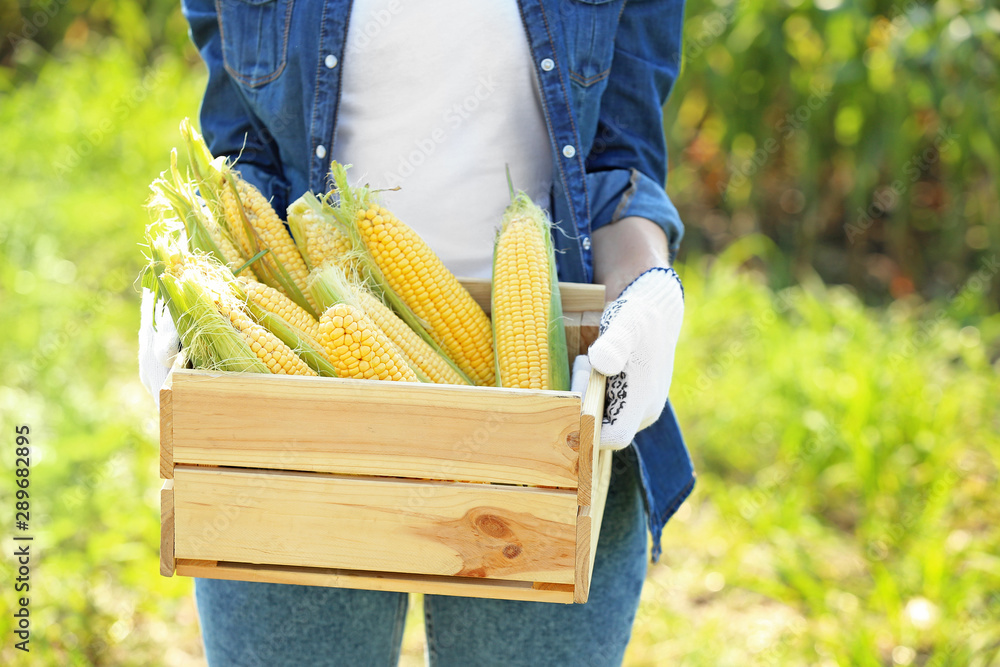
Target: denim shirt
604 70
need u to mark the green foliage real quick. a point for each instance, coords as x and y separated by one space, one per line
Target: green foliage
848 456
848 462
860 136
35 29
87 139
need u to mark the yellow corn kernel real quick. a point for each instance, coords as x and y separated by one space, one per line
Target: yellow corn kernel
357 347
323 241
230 253
278 357
275 302
269 228
521 306
528 329
455 321
414 349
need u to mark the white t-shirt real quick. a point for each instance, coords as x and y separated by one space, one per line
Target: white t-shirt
436 98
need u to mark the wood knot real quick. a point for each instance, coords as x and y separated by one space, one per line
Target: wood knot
512 551
573 440
492 525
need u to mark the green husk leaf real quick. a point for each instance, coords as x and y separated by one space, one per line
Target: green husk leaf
270 269
230 350
250 262
299 341
213 175
330 285
180 196
209 339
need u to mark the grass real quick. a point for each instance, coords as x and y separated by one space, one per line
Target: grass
845 511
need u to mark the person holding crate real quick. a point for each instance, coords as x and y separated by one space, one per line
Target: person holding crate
435 99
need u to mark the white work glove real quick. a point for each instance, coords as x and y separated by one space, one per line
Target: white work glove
158 343
635 349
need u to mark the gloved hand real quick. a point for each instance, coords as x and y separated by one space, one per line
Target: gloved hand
158 343
635 349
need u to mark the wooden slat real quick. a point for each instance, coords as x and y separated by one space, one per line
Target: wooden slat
588 493
597 508
167 528
167 427
591 416
398 429
590 329
576 297
584 529
543 586
572 322
387 525
378 581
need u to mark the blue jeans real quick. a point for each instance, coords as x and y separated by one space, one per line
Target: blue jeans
247 624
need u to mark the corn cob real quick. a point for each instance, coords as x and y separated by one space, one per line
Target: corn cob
275 302
250 219
529 332
332 285
220 326
411 270
230 256
414 349
279 358
269 227
316 233
358 348
191 284
302 343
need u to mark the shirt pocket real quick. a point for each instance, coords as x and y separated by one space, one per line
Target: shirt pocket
254 38
590 31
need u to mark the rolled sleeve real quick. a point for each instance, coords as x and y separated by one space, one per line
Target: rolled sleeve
627 164
621 193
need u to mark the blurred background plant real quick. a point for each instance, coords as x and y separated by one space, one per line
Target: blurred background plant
836 164
860 135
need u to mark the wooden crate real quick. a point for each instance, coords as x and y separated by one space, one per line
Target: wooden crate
472 491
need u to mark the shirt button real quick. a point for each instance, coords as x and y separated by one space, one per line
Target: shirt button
548 64
569 150
586 243
321 151
331 61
